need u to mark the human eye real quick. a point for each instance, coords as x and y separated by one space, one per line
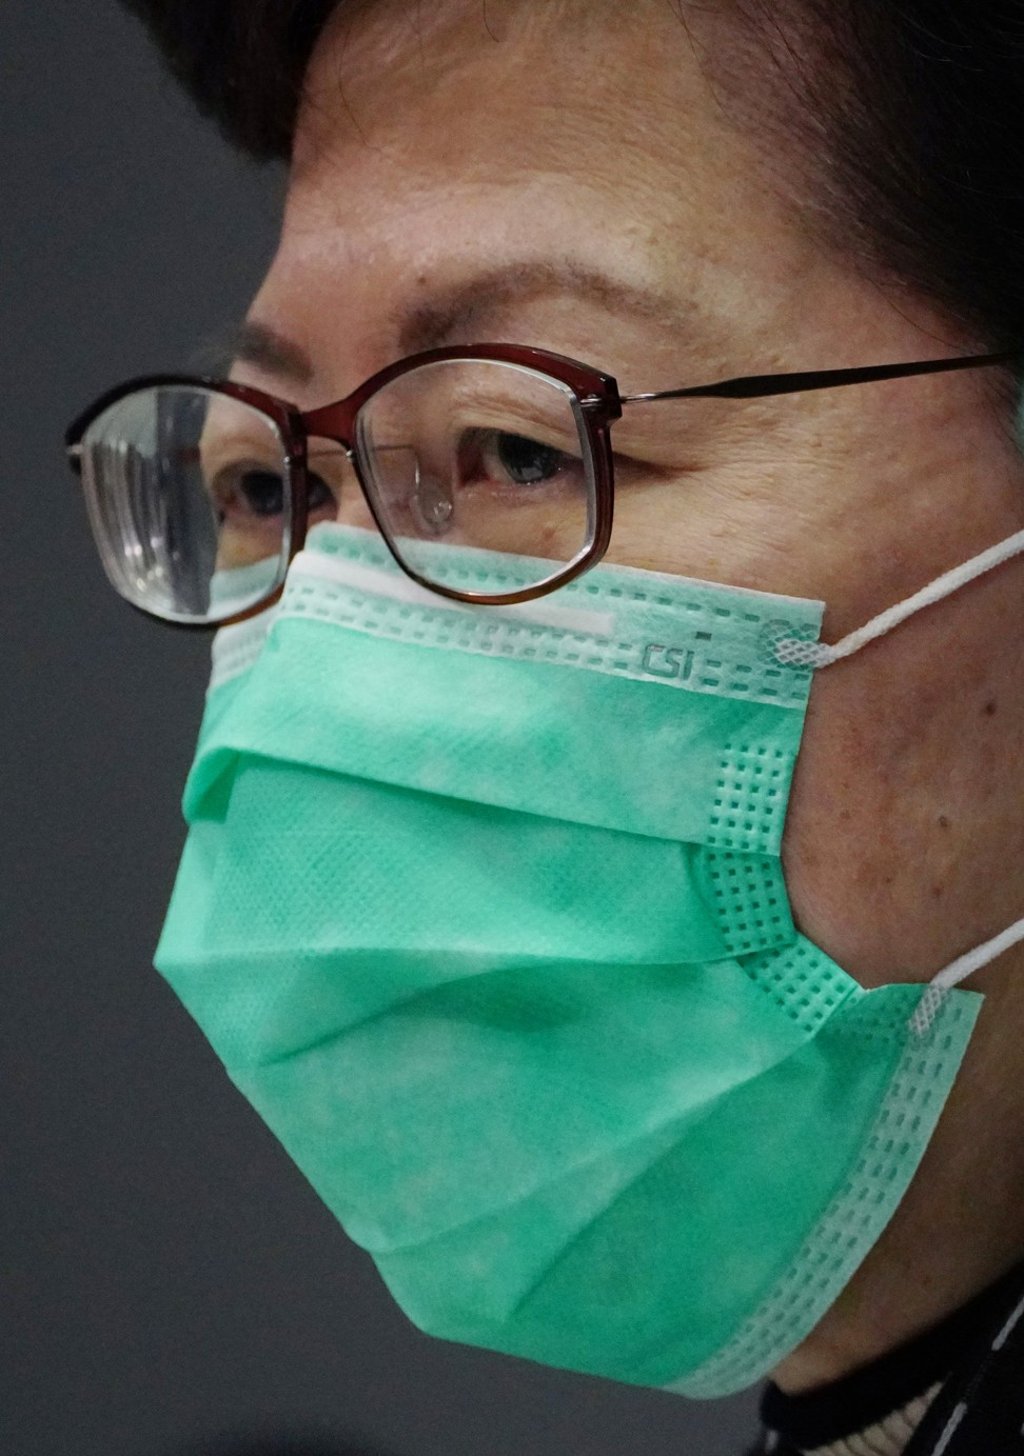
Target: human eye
247 484
513 464
247 488
256 490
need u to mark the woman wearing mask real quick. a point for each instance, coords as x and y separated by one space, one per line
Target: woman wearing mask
603 870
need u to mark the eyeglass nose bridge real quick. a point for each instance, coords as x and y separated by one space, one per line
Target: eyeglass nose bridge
336 464
335 422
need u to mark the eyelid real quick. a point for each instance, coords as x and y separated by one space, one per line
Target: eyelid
558 435
218 452
481 434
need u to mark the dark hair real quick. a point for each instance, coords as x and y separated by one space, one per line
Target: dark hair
911 114
241 61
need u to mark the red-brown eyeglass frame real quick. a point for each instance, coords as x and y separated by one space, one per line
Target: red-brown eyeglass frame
597 395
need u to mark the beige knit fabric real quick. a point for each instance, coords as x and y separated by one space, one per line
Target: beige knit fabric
889 1437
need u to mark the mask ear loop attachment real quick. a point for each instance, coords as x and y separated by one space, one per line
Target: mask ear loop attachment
940 985
793 653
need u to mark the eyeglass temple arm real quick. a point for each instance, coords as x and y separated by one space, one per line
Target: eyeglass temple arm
753 386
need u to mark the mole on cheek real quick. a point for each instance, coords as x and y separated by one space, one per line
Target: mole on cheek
989 709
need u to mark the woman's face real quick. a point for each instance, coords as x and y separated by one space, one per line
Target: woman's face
568 175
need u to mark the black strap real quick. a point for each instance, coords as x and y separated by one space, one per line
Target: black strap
980 1410
977 1352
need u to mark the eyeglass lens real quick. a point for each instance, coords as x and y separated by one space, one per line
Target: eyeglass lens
479 454
187 491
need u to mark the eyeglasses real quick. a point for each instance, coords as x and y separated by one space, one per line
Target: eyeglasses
200 492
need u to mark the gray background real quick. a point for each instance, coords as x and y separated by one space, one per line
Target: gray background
168 1274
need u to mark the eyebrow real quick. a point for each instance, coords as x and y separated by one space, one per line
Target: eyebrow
466 305
251 342
459 308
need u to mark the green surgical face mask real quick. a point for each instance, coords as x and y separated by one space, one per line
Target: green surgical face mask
483 910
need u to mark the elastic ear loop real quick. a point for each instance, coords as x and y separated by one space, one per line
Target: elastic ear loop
939 986
793 652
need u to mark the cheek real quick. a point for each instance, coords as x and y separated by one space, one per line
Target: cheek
900 842
844 842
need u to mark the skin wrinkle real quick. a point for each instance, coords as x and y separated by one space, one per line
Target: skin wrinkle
425 155
465 308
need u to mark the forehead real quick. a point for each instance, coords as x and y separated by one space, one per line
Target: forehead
382 59
608 98
432 137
